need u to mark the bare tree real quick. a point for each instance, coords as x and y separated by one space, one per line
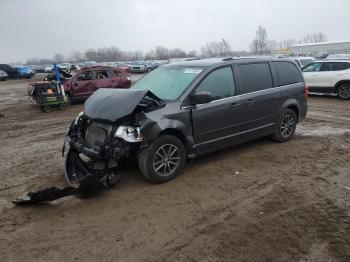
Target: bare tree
162 53
259 45
314 38
192 53
261 36
58 58
216 49
90 55
254 46
76 56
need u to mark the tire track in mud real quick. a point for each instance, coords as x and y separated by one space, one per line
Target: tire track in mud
280 224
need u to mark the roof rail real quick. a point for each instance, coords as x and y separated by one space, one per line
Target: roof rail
192 59
230 58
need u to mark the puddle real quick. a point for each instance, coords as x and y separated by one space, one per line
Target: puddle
321 130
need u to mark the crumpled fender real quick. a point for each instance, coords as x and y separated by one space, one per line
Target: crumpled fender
152 129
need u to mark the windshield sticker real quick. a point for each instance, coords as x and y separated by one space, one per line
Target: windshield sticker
193 71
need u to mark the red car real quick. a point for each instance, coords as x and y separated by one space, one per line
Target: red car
88 80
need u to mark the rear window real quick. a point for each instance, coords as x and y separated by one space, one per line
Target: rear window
287 73
255 77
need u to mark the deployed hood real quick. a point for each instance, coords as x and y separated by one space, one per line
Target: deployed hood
113 104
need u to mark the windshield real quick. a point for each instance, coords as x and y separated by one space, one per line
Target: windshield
168 83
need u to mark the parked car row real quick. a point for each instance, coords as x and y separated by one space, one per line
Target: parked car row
16 71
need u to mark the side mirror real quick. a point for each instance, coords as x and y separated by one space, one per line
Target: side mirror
201 97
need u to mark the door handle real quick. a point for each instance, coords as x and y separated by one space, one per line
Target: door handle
234 105
249 102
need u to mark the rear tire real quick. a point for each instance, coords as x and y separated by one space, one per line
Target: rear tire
69 100
343 91
163 160
285 127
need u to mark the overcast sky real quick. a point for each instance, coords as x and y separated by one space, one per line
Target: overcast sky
42 28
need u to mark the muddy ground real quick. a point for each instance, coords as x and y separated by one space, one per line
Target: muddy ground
260 201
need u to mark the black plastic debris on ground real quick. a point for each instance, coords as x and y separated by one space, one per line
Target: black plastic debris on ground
89 187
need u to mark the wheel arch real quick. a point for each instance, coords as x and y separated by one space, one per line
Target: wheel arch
291 104
339 83
295 109
176 133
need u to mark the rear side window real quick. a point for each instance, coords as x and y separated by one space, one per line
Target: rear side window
102 74
338 66
255 77
287 73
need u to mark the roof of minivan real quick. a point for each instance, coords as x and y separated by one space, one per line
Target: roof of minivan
213 61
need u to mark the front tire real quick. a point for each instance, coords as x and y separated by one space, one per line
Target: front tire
343 91
285 127
163 160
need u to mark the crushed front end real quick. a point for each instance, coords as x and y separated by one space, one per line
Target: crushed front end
103 136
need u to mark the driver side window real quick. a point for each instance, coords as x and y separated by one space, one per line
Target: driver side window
219 83
315 67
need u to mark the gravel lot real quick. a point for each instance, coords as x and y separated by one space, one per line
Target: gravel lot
260 201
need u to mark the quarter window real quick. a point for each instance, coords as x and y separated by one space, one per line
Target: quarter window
338 66
102 74
255 77
219 83
287 73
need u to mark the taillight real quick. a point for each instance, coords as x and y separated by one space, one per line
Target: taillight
306 91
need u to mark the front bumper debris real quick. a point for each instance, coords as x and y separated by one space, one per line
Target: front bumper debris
88 187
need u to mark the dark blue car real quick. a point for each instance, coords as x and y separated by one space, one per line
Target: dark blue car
25 72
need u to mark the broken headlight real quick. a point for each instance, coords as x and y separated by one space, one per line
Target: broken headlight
78 117
129 133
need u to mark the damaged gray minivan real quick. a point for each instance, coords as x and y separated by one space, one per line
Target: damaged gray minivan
183 110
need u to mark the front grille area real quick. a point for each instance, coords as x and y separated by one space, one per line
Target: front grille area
96 134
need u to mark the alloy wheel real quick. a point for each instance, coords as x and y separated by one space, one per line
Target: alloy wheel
287 125
344 91
166 160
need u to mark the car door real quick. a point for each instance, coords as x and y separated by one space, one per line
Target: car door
215 124
121 79
103 80
311 75
82 84
325 78
259 98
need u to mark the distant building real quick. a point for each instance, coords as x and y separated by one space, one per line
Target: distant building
322 48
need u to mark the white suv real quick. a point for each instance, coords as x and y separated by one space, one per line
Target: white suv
329 76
